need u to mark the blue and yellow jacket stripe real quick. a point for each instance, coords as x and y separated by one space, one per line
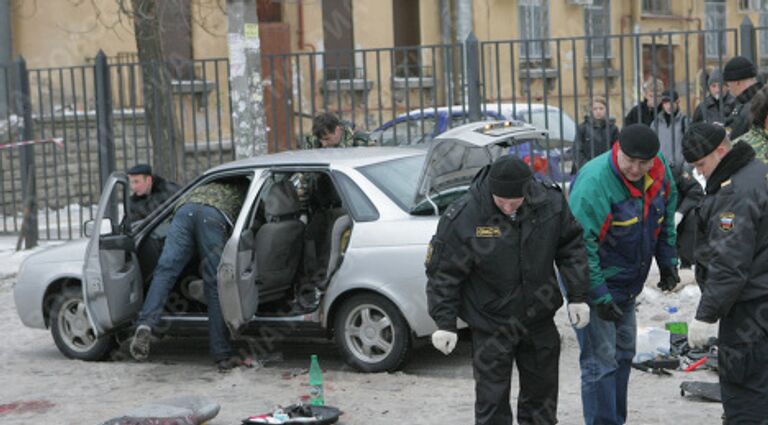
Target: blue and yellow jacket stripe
625 225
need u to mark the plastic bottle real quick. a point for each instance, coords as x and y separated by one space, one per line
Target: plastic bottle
673 323
316 383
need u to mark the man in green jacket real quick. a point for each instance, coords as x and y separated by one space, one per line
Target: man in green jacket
625 201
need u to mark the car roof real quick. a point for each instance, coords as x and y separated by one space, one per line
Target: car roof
472 133
347 157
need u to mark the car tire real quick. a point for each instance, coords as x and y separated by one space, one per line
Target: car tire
371 333
71 329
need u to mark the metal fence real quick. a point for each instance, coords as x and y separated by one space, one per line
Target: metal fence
67 147
402 95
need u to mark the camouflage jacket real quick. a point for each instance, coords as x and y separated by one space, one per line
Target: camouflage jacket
350 138
226 197
757 138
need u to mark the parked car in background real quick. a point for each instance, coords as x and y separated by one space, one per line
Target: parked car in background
329 242
420 126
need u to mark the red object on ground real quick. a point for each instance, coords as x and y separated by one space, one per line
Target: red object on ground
25 406
696 364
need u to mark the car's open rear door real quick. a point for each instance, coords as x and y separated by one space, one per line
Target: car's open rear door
112 278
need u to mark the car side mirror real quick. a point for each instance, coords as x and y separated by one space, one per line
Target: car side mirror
106 228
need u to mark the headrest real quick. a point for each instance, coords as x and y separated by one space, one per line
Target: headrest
281 200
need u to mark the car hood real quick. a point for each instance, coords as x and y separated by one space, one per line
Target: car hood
457 155
70 251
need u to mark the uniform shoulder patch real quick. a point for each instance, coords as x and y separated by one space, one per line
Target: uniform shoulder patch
727 221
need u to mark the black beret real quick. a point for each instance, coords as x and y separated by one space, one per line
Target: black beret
669 94
739 68
701 139
639 141
509 177
140 169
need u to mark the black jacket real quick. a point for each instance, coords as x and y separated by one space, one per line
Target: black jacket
142 206
493 271
642 113
593 137
709 110
741 116
732 240
689 196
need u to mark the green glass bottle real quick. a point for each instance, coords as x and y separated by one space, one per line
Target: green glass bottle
316 397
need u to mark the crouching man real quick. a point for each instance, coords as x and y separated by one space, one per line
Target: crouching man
732 268
491 263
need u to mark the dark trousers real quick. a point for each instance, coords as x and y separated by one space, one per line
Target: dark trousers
743 364
201 229
537 354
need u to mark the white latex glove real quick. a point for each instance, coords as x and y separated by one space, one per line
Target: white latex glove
578 314
678 218
699 333
444 341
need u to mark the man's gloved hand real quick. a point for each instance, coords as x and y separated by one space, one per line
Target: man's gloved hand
578 313
669 278
444 341
609 311
699 333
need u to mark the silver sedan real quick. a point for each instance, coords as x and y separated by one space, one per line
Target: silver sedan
328 243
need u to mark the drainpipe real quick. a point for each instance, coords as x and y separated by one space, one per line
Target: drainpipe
463 9
446 39
6 51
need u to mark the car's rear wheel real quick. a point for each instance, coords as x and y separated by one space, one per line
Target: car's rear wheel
71 329
371 333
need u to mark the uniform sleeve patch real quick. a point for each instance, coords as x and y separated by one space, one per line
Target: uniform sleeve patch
487 231
727 221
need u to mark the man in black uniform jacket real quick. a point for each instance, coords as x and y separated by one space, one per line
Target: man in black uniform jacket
732 268
149 191
491 264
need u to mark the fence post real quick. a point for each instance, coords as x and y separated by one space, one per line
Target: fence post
472 61
104 130
747 47
29 230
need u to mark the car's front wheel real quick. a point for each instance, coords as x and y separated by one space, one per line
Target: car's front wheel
71 329
371 333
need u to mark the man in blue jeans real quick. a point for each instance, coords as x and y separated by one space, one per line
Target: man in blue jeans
625 200
201 225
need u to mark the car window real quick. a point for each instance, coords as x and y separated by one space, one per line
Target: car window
396 178
398 134
361 207
552 120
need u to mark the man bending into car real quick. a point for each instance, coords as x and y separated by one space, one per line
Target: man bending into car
201 226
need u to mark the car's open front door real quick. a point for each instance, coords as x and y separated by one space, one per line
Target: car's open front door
238 293
112 278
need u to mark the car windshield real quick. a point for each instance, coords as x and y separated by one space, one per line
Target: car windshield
397 178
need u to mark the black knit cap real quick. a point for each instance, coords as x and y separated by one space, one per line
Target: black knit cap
638 141
669 94
509 177
701 139
140 169
739 68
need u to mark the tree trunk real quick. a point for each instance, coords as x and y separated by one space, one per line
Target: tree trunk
160 111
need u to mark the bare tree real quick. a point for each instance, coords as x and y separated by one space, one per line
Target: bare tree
167 145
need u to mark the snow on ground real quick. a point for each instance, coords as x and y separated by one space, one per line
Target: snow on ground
432 388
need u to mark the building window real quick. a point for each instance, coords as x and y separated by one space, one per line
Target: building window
337 38
714 12
597 23
657 7
534 25
752 5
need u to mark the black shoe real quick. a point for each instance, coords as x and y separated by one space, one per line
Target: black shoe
140 344
232 362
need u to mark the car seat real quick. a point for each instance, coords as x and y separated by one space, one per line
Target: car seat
279 242
326 210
